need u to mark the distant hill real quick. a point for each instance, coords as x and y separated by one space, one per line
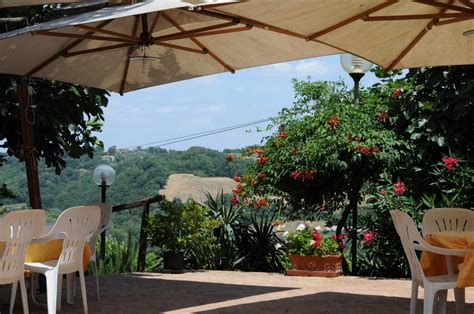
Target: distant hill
185 186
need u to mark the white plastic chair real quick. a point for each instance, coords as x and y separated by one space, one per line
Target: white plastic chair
434 286
447 219
17 229
75 225
105 218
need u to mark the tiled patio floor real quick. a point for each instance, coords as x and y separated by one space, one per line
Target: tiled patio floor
238 292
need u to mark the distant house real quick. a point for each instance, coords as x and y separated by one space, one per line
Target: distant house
108 158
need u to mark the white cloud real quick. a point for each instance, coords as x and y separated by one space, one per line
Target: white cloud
312 68
210 108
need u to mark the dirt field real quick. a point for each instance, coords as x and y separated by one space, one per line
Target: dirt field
184 186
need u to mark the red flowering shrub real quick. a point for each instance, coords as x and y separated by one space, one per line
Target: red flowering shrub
450 162
333 122
397 92
307 240
399 188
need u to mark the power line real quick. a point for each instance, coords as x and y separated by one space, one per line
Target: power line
184 138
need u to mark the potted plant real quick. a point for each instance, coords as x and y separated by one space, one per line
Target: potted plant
313 254
177 227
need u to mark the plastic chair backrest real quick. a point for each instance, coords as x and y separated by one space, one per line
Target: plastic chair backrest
17 229
447 219
105 219
78 224
409 236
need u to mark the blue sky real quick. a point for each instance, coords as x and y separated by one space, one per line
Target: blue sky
212 102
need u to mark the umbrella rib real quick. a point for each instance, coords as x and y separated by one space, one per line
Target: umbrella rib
199 44
85 36
450 21
194 32
417 17
86 51
60 53
212 33
127 62
155 21
467 3
104 31
425 30
255 23
448 6
179 47
351 19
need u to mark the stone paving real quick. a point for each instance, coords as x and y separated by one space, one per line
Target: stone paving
241 292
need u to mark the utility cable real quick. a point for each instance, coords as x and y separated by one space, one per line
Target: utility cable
179 139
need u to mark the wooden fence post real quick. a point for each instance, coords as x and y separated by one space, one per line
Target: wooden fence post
143 238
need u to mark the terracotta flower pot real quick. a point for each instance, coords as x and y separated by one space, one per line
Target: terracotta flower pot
312 265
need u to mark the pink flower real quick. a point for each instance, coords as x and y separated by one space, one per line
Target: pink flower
368 236
399 188
383 192
450 162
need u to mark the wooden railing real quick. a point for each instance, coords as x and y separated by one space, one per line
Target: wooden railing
145 204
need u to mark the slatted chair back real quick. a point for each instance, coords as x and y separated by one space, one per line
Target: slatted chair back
78 224
410 237
17 229
447 219
105 218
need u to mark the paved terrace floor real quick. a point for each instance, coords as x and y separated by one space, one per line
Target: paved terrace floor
241 292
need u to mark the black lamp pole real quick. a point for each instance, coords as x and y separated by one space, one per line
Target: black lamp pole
356 77
103 188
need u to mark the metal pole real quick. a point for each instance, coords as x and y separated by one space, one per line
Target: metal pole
356 77
102 235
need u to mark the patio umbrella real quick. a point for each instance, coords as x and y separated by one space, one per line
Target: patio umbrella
19 3
124 48
393 34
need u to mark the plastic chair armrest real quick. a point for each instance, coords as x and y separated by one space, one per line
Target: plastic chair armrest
50 236
424 246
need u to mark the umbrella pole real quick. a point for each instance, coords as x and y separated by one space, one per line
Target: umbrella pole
29 151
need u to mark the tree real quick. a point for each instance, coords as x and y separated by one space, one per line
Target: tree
324 151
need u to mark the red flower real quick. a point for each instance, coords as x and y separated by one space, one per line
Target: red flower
363 150
261 175
296 175
258 151
261 202
340 237
368 236
383 116
308 175
334 237
333 122
236 191
283 134
375 149
397 92
234 200
450 162
383 192
262 160
317 243
399 188
229 157
316 236
236 179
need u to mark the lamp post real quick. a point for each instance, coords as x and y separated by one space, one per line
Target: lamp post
103 176
356 67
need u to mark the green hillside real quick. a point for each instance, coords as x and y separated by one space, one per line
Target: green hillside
140 174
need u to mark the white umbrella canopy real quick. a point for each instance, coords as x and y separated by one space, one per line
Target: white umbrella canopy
393 34
19 3
129 47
